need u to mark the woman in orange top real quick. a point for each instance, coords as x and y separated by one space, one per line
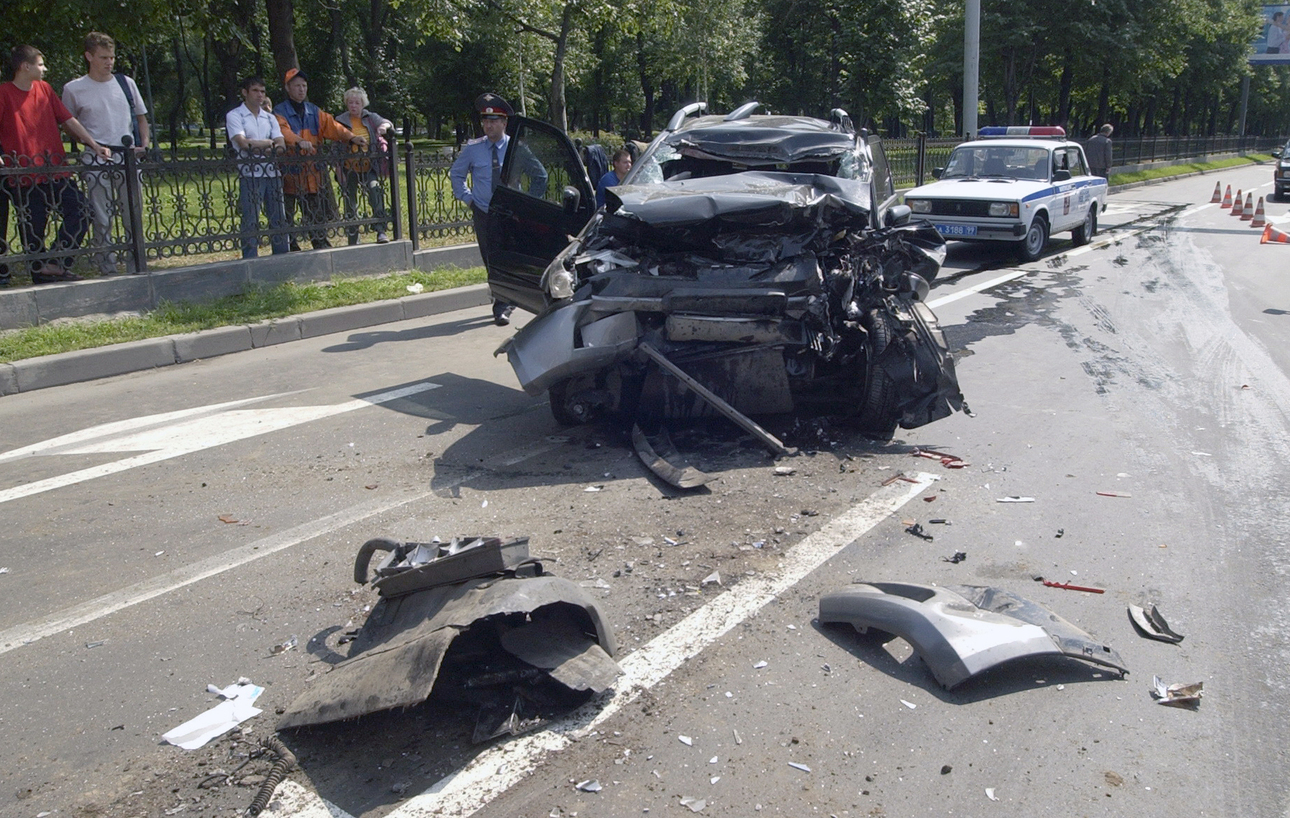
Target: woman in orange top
366 172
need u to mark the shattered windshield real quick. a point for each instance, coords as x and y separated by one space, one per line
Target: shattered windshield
674 162
999 161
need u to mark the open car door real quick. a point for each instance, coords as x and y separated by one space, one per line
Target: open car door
884 186
545 197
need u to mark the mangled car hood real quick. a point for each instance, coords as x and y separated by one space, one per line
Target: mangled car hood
763 198
776 139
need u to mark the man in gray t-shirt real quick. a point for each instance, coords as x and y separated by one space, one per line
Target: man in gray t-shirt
111 108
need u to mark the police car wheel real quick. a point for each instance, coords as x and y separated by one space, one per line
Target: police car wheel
1032 246
1084 233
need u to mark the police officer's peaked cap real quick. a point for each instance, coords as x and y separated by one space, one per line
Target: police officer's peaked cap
491 104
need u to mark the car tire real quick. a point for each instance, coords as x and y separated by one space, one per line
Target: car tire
568 406
877 414
1031 246
1084 233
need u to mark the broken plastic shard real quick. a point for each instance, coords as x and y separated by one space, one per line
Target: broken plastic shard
798 766
958 557
711 579
590 785
695 804
1152 625
760 665
910 705
1177 695
989 793
917 531
784 471
1015 499
416 288
686 740
284 646
964 630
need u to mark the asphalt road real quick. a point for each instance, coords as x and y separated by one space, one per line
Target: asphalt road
166 530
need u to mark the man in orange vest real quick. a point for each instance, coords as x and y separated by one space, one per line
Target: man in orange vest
305 185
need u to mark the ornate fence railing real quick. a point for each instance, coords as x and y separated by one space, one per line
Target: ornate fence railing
156 210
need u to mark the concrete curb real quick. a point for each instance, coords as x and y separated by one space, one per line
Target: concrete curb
119 359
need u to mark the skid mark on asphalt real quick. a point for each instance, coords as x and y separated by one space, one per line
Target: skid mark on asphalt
499 768
162 437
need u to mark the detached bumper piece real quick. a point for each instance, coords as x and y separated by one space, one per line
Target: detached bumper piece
962 631
474 622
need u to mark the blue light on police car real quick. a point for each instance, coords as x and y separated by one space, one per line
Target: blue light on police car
1021 130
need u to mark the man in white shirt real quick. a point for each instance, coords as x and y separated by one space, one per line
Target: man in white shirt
256 133
111 108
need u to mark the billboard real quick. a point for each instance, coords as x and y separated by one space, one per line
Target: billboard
1273 45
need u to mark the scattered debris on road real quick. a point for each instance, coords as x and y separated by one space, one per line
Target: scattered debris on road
686 740
1152 625
1015 499
989 793
590 785
949 461
960 631
1066 586
1113 494
1177 695
917 531
283 647
797 766
474 621
695 804
237 707
959 556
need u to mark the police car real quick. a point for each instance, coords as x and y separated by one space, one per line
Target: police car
1016 184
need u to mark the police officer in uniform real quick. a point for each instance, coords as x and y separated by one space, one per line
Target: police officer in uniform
482 160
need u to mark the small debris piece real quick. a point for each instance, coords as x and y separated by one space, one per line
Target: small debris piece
594 488
371 486
738 738
931 498
1066 586
714 759
896 477
1152 625
228 518
686 740
958 557
695 804
710 579
801 767
1015 499
1113 494
4 570
714 779
760 665
97 644
590 785
1113 778
989 793
1061 532
939 521
917 530
416 288
1177 695
784 471
946 769
284 646
910 705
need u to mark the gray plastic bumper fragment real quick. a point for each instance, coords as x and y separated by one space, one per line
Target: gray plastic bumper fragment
964 630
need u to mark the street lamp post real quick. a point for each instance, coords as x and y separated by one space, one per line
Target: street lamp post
971 65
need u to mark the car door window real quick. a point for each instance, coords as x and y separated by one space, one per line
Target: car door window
883 185
1075 159
539 164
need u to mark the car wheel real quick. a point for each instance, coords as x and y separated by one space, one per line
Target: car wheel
571 401
1085 232
1032 246
877 413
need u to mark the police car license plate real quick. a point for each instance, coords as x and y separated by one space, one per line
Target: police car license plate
957 229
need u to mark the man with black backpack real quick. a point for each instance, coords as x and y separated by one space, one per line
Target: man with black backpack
110 107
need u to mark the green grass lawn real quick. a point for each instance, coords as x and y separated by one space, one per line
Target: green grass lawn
1191 167
257 304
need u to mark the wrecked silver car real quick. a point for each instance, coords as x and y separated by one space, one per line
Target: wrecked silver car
762 256
472 622
964 630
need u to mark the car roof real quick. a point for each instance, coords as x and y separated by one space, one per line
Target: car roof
767 137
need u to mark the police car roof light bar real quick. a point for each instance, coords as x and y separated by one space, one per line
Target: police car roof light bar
998 131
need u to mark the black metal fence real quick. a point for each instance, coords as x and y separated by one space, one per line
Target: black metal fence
138 211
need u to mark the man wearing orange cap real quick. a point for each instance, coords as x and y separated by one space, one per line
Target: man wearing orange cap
305 185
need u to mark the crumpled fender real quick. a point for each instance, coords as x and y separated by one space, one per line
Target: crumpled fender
545 351
961 631
396 658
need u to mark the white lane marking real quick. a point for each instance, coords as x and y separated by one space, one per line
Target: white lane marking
29 632
499 768
190 434
292 799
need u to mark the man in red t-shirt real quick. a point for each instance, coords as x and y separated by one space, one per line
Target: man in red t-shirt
30 117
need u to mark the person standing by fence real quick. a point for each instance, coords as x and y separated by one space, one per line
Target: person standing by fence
306 185
365 172
31 115
255 132
1099 152
110 107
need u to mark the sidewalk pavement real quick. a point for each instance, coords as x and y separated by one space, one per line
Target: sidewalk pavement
102 362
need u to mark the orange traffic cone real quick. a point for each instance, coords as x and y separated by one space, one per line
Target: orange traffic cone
1271 235
1247 213
1236 205
1259 219
1218 193
1227 197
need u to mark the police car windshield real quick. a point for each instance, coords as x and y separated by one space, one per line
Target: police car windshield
998 162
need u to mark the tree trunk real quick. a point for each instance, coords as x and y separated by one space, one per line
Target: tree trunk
559 112
282 36
647 89
1064 91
